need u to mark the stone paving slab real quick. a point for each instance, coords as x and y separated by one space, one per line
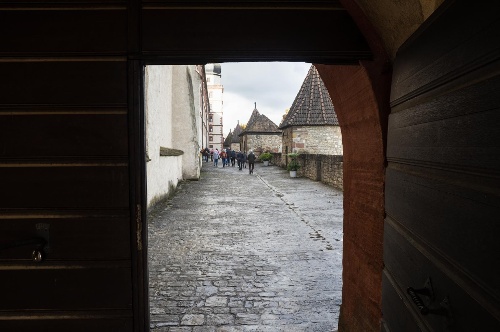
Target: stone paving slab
240 252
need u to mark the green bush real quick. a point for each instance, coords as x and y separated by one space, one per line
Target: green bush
266 156
293 165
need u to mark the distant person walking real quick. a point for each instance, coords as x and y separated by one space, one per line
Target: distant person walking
233 157
206 154
228 156
244 160
215 156
251 162
223 156
239 158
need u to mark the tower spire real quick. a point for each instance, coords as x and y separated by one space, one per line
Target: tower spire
255 103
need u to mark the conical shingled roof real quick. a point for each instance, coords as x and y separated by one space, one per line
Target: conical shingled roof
260 123
229 139
312 106
253 118
236 132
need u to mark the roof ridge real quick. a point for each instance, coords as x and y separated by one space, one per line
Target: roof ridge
260 122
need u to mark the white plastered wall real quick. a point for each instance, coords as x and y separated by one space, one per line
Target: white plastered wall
163 173
185 116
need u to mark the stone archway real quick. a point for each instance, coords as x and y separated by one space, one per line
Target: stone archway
363 125
360 95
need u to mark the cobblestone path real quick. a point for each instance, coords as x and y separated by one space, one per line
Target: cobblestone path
240 252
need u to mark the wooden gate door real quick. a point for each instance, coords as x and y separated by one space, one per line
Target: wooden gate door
69 209
441 247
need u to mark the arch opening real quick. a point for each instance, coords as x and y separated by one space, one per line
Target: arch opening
356 104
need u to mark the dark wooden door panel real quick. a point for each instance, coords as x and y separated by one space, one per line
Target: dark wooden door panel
73 324
72 287
64 170
63 133
69 237
456 43
410 264
73 187
457 128
39 32
446 215
72 82
399 313
241 34
442 186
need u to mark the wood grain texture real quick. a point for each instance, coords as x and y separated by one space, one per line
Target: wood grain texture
75 289
64 162
77 324
76 83
54 135
399 316
457 129
456 42
85 32
411 268
451 219
69 238
64 187
295 38
442 180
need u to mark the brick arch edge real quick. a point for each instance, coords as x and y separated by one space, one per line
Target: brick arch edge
360 95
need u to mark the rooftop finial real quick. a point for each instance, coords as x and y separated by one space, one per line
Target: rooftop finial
255 103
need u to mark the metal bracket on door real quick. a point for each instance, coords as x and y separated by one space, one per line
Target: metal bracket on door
39 243
427 291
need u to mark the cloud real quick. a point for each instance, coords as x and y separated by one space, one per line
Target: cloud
272 85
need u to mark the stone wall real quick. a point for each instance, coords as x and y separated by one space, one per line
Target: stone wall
262 142
318 167
313 140
235 146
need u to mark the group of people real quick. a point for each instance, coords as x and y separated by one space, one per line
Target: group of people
230 157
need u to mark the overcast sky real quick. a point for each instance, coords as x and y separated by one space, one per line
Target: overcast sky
272 85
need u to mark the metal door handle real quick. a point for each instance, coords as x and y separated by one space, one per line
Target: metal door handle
39 243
